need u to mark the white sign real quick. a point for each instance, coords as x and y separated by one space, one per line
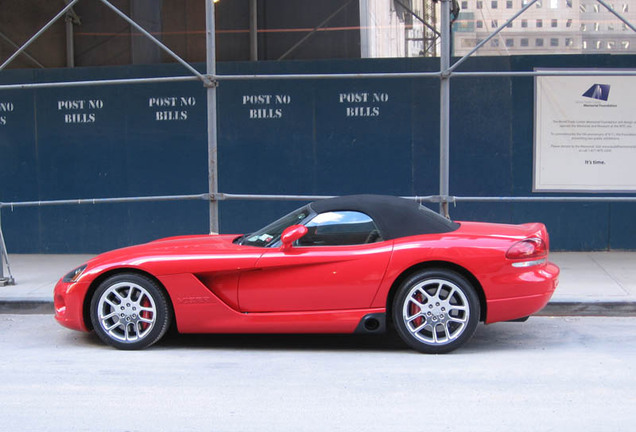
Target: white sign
585 133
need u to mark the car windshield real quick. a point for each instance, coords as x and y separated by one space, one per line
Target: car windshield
272 232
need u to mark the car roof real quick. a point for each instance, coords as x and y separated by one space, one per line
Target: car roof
395 217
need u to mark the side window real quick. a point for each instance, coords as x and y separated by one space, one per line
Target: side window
340 228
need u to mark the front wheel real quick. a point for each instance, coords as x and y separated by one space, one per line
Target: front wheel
130 311
436 311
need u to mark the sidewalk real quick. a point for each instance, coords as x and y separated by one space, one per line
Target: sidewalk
591 283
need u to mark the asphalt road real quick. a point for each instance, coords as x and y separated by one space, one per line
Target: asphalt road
548 374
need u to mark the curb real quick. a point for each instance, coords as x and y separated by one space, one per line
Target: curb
22 306
589 308
26 307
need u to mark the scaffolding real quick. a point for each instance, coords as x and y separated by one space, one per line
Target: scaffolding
210 80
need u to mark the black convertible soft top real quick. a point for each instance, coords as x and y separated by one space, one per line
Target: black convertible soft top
395 217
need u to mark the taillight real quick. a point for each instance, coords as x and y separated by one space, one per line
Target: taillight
530 248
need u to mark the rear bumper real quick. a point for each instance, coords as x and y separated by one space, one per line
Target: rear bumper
534 287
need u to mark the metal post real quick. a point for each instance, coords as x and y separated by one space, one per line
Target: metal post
444 115
253 30
70 52
4 259
212 128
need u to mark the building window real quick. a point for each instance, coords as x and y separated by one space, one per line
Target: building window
553 23
508 4
494 24
626 8
509 25
524 42
568 3
569 42
595 7
493 4
584 45
524 23
597 44
510 42
464 5
479 24
610 26
480 4
597 26
524 2
583 27
583 7
625 44
554 42
568 23
539 23
538 42
554 4
494 43
539 4
611 45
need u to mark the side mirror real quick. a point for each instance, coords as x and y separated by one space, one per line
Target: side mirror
291 234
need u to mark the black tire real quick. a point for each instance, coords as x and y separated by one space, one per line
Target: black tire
130 311
435 311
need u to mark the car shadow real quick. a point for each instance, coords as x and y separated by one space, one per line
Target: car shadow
487 339
286 342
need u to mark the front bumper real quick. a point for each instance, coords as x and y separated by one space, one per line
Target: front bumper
68 299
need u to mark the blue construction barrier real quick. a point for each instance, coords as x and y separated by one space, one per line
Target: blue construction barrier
275 137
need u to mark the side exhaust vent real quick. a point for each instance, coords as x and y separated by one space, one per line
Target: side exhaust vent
372 323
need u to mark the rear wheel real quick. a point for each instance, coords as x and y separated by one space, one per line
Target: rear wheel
130 311
436 311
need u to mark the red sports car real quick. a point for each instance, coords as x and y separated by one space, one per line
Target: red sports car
341 265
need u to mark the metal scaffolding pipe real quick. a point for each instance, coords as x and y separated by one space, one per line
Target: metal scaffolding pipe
70 48
492 35
444 115
253 30
24 53
619 16
154 39
311 33
38 34
220 196
45 203
210 56
560 72
98 82
319 76
329 76
4 260
544 199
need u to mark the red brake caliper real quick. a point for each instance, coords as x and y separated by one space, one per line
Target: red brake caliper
145 314
413 309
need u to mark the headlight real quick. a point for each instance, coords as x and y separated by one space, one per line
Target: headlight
73 275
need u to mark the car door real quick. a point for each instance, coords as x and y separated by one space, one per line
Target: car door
338 264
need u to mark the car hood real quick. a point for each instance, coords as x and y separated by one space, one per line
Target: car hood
164 255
